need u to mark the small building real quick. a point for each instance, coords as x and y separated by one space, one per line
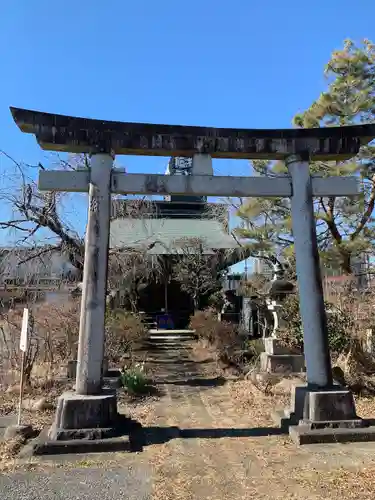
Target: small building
157 230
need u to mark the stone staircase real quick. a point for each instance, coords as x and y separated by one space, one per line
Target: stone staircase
169 339
168 356
170 335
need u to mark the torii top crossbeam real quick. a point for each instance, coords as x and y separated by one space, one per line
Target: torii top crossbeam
83 135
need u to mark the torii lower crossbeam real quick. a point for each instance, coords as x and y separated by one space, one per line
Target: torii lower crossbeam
199 185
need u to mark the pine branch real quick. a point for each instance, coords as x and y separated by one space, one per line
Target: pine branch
366 216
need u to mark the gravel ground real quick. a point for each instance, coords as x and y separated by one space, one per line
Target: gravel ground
130 483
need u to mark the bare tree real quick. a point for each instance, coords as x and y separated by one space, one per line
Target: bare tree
196 268
37 221
39 225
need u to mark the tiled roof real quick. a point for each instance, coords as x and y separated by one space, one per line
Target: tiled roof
164 233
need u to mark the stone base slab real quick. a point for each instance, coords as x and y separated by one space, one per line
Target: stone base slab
85 417
323 416
275 346
304 434
284 419
282 363
43 445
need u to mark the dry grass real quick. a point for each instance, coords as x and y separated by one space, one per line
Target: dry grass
8 452
286 471
235 467
334 471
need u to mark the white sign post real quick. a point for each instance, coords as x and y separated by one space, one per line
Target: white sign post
23 347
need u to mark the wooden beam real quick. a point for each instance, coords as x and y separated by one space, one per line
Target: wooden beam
202 185
83 135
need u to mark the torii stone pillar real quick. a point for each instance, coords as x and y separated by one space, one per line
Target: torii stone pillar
91 410
93 303
313 314
321 410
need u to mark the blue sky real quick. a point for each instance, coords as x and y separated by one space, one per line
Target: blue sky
199 62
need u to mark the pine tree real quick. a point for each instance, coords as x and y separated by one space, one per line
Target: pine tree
345 226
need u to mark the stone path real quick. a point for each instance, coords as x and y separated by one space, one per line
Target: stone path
202 441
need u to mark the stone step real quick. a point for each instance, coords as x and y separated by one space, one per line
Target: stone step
169 340
153 331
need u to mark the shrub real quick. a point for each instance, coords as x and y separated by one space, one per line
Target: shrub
53 336
134 380
224 337
205 324
340 326
124 331
57 326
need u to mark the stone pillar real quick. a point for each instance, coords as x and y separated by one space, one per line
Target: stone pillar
314 321
90 412
202 165
91 331
320 411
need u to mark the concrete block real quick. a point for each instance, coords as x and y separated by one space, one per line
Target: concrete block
311 406
90 417
112 379
299 408
299 401
274 346
323 416
282 363
43 445
301 434
335 404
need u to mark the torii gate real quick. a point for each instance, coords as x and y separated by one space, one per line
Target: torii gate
90 407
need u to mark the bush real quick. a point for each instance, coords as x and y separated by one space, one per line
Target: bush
53 336
224 337
134 380
340 326
57 325
205 324
124 331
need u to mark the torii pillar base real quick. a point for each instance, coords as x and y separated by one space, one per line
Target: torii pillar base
324 416
86 416
84 424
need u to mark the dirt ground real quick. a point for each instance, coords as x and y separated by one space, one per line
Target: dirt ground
207 438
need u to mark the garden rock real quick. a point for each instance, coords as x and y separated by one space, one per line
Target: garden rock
13 389
15 431
40 404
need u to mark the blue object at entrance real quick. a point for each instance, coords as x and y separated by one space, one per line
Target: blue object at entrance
164 322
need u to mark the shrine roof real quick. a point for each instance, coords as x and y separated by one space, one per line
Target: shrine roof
164 235
84 135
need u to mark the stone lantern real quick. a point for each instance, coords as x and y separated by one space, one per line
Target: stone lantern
277 357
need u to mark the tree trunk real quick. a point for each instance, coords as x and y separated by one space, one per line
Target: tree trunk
196 303
346 262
